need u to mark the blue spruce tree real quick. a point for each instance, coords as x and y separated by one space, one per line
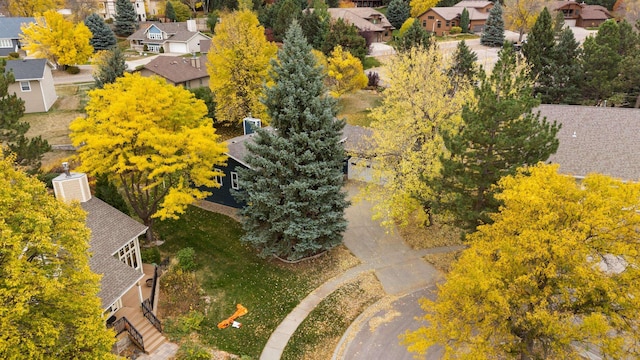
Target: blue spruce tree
103 38
493 34
293 189
125 19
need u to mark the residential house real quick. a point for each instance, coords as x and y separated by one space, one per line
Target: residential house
368 3
173 37
107 9
371 23
580 14
10 33
356 142
602 140
34 83
189 72
440 20
115 256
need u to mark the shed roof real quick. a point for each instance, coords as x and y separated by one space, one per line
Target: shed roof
26 69
10 26
178 69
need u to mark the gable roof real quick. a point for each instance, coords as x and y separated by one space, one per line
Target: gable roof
358 17
27 69
607 140
453 12
10 26
110 230
473 4
587 12
178 69
176 31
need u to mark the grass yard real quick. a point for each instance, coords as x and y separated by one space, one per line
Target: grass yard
321 331
229 272
355 107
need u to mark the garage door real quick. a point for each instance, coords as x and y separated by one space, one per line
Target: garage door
570 22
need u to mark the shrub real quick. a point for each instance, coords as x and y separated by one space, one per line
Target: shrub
109 21
161 50
186 259
192 351
374 79
455 30
73 70
151 255
145 48
180 327
14 55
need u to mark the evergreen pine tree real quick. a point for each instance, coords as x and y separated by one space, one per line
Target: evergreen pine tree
315 25
125 19
398 12
103 37
629 80
170 12
601 62
287 12
558 23
538 50
446 3
415 36
109 68
465 21
500 134
345 35
107 191
295 205
566 78
28 152
493 34
464 68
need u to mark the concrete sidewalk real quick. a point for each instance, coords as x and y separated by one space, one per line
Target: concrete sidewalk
399 268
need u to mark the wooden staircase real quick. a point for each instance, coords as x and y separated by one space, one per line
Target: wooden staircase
152 338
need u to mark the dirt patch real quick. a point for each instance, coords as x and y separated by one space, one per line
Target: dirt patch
444 261
52 126
427 237
356 107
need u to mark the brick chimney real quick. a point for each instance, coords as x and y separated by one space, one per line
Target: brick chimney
70 186
195 61
191 25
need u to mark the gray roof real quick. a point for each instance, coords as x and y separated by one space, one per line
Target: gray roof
25 69
452 12
473 4
359 17
606 141
178 69
10 26
176 31
110 230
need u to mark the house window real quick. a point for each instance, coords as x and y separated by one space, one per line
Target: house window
155 36
430 17
200 81
25 86
218 177
5 43
234 181
424 23
448 24
153 47
439 24
128 255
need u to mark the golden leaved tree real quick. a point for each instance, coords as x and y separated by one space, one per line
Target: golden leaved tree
557 273
154 140
28 8
345 72
520 15
239 66
49 304
58 40
418 106
420 6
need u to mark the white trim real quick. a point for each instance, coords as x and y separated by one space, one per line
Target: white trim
218 177
22 89
234 181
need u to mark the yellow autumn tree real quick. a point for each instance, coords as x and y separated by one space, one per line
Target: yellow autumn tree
520 15
58 40
345 73
420 6
405 26
154 140
418 106
239 66
28 8
49 304
556 275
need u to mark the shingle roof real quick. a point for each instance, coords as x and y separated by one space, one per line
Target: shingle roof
452 12
178 69
595 12
10 26
25 69
607 140
473 4
358 18
177 31
110 230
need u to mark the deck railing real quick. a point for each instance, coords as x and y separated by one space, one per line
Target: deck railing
153 286
146 311
121 325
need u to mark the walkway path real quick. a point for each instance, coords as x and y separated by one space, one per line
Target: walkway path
400 269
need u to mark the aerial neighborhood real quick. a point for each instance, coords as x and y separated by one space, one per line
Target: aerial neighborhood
325 179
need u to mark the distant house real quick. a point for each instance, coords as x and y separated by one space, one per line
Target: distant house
356 142
190 72
107 9
602 140
369 22
581 14
34 84
440 20
115 256
173 37
10 33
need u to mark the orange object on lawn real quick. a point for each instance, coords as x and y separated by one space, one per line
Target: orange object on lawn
241 310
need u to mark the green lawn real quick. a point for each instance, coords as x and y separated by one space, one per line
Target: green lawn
229 272
355 107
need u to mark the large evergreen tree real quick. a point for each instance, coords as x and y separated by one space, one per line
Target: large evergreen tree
315 25
464 69
538 50
415 36
465 21
566 78
125 19
500 133
28 152
345 35
601 62
109 65
170 12
288 11
295 205
103 37
398 12
493 34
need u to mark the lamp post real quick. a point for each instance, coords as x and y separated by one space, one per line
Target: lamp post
433 28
